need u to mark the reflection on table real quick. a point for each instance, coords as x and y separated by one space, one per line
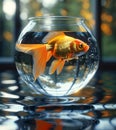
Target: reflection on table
92 108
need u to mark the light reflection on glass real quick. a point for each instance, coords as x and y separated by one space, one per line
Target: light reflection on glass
12 88
8 81
7 95
104 122
113 121
9 123
13 107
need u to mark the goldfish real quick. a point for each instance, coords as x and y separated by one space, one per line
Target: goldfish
57 44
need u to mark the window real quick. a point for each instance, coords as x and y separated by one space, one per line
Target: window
100 17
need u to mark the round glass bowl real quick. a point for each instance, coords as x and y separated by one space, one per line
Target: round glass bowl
56 55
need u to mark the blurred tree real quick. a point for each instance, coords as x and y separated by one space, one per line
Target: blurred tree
83 8
108 27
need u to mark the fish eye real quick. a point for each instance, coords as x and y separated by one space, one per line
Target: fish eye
81 46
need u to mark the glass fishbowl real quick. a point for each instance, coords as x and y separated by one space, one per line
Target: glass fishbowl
56 55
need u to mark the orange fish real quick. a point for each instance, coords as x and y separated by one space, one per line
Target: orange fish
58 45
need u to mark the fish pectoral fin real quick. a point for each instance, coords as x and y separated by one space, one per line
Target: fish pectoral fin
60 67
57 65
39 59
49 55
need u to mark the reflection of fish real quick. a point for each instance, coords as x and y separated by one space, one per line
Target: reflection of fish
59 45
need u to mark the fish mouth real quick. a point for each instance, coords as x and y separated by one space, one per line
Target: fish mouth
86 48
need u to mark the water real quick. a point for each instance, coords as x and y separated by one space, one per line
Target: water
75 75
21 108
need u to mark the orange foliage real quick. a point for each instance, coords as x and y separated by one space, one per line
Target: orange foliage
8 36
86 5
106 28
106 17
106 22
64 12
86 13
38 13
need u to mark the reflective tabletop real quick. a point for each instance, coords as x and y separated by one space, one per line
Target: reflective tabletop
92 108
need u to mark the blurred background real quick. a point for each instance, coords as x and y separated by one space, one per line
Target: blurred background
99 14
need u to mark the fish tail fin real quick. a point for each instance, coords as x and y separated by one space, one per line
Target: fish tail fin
40 56
57 65
26 48
39 59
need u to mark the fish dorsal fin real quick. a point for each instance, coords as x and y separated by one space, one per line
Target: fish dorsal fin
51 35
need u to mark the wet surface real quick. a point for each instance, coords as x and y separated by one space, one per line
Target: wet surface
93 108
